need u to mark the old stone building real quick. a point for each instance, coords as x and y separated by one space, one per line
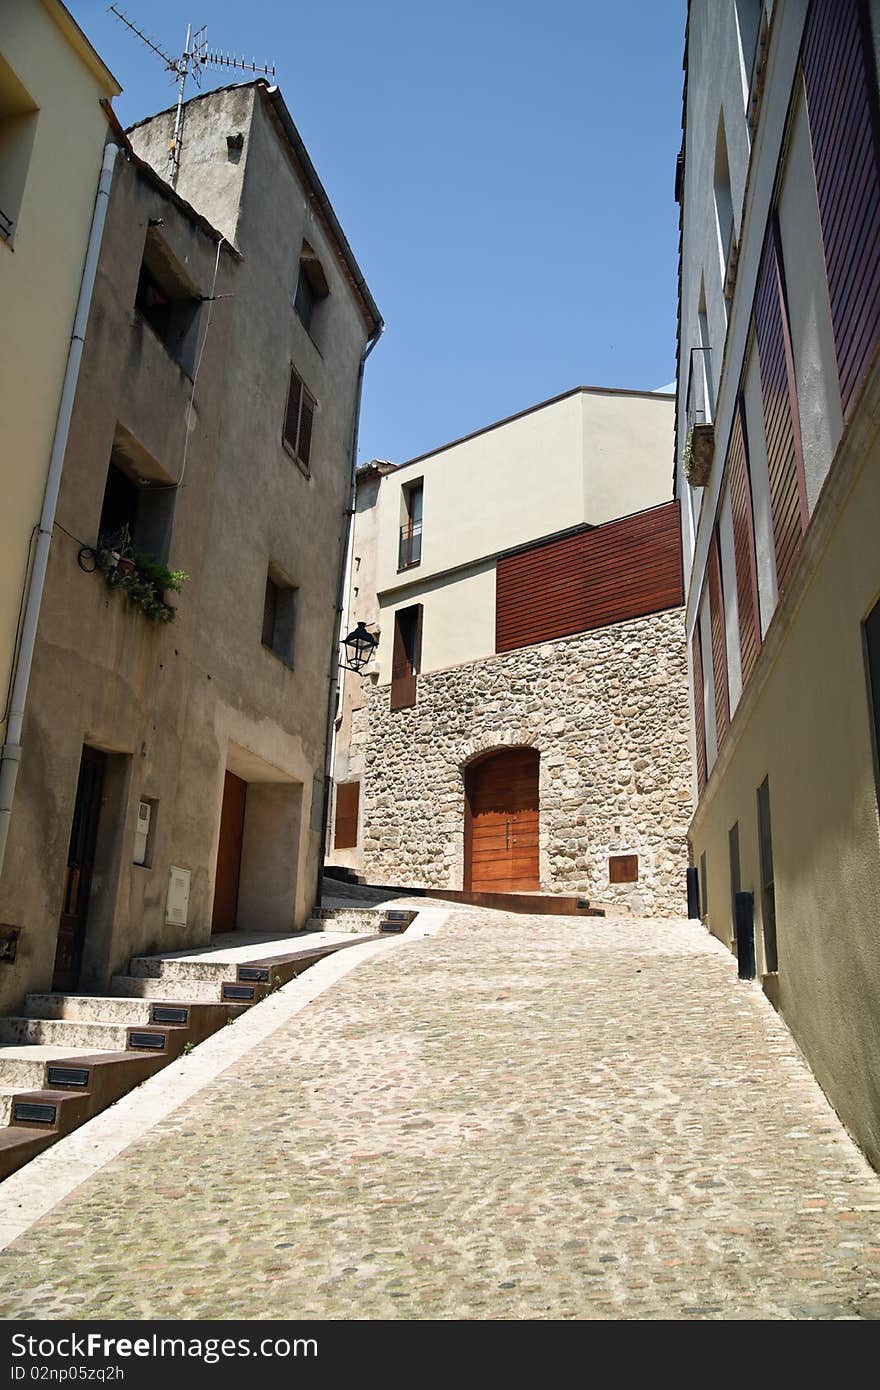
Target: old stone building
171 780
524 724
778 471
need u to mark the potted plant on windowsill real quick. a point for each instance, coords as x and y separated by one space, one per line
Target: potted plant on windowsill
142 577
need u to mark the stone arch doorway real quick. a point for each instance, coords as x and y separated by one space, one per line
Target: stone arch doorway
501 820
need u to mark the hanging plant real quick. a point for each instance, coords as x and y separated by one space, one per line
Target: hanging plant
142 577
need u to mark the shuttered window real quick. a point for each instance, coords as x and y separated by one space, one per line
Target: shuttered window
699 709
624 569
740 493
841 104
788 502
719 641
406 656
348 795
298 420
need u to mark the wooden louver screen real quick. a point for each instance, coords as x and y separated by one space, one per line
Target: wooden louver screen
740 492
781 424
699 710
839 82
623 569
347 803
299 419
719 641
406 656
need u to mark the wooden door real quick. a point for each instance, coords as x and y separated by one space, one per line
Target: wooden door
228 872
501 823
78 873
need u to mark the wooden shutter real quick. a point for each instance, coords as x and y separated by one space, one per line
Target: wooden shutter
623 569
840 87
348 795
291 419
406 656
788 505
306 423
719 640
740 492
699 710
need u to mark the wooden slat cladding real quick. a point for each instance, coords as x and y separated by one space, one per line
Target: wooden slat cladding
348 795
502 822
781 424
740 492
840 86
406 656
624 569
699 710
719 641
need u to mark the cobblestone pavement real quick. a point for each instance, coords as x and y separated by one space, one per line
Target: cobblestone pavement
518 1118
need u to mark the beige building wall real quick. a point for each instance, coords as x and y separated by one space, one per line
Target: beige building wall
52 135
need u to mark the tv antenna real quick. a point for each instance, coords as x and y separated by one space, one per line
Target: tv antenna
196 55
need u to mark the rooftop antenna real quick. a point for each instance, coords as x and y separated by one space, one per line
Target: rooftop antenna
195 56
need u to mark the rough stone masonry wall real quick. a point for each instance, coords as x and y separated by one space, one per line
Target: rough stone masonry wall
607 711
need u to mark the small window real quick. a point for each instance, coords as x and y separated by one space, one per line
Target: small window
768 886
704 893
410 548
623 868
299 421
137 513
279 618
311 290
733 853
724 209
18 127
406 656
168 301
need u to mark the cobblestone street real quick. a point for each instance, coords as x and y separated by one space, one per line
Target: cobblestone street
519 1117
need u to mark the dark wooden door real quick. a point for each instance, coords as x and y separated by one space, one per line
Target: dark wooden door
229 854
501 823
78 873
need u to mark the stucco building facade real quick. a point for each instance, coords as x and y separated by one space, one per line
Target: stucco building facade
172 778
524 724
778 472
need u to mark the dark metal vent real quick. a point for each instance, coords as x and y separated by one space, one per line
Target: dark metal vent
166 1013
33 1110
260 973
66 1076
155 1041
240 992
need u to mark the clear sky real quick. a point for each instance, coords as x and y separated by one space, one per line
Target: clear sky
503 171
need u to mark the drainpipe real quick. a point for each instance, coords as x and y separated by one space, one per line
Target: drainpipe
10 757
330 738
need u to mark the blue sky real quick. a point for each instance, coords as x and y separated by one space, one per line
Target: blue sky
503 171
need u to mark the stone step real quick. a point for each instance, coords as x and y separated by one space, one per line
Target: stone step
70 1033
88 1008
7 1093
344 919
169 991
24 1065
181 968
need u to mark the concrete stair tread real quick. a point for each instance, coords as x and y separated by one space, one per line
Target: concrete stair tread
158 990
88 1008
73 1033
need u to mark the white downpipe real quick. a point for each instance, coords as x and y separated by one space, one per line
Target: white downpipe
11 753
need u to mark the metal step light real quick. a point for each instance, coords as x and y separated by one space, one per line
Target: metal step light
66 1076
238 993
35 1111
166 1013
155 1042
259 973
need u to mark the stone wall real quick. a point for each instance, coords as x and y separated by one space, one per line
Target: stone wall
607 711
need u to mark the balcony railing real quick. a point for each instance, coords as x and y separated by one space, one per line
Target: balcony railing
410 548
5 225
700 437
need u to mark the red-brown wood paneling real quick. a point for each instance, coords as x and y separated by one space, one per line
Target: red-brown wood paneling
719 640
406 656
228 871
840 84
740 492
623 569
788 505
348 796
502 823
699 710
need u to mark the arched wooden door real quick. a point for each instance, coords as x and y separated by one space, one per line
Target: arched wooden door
501 823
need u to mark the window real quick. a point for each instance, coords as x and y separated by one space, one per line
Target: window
299 420
733 851
406 656
623 868
168 301
18 126
748 24
872 662
311 290
410 548
138 507
768 887
724 209
279 617
704 892
347 804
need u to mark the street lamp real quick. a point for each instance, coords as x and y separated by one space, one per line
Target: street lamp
359 647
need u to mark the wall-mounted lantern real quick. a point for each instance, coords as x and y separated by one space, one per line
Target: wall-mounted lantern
359 646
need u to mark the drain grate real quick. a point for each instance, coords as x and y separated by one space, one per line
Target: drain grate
260 973
238 992
155 1041
165 1013
67 1076
37 1111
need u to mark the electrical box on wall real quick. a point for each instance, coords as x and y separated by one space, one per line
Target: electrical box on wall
142 832
178 896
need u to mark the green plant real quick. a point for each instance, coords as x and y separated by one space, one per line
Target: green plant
188 1047
687 456
142 577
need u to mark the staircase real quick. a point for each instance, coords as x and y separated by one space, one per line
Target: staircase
68 1056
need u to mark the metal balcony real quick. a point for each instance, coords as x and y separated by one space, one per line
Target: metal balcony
700 436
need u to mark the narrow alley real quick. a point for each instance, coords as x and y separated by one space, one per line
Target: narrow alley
512 1117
